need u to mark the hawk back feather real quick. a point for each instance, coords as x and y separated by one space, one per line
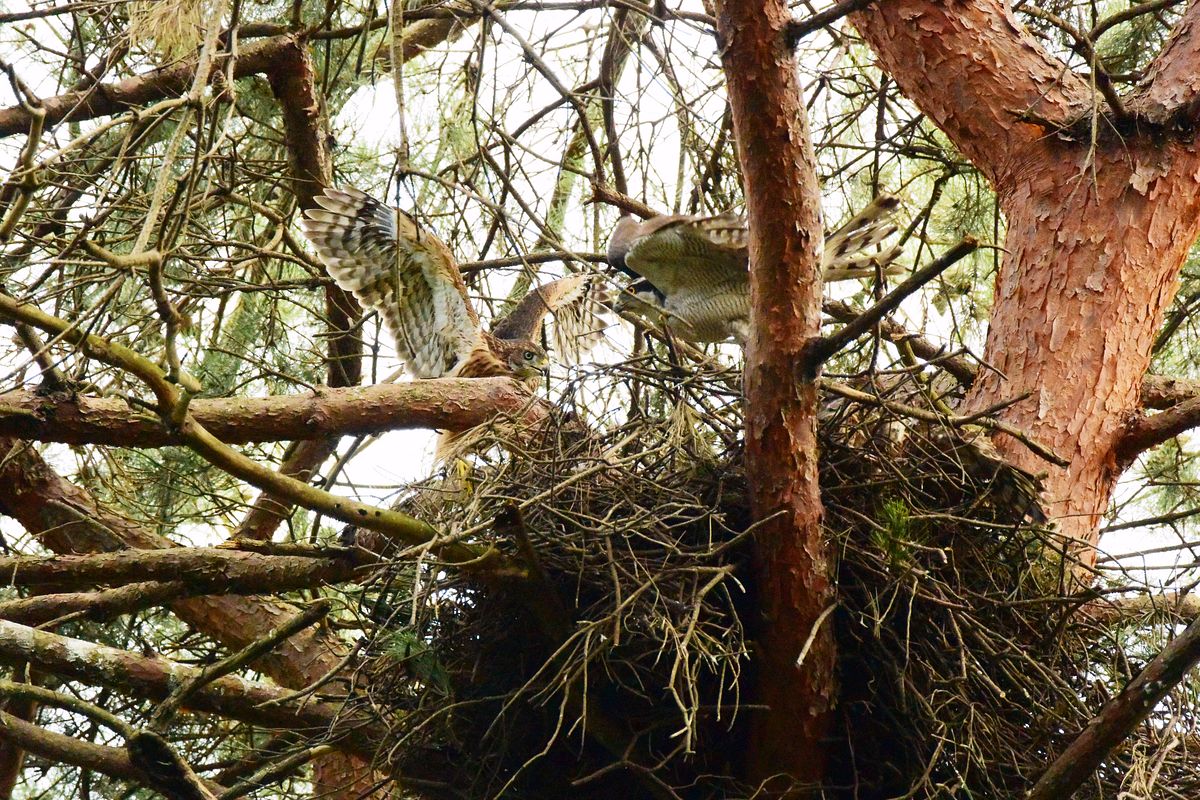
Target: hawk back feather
698 266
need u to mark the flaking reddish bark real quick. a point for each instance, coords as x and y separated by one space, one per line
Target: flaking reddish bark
1096 234
783 201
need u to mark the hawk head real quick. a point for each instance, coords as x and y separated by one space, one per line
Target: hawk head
627 231
526 359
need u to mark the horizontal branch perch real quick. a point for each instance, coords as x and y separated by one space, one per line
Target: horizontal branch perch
455 403
100 605
173 407
216 569
1145 432
55 747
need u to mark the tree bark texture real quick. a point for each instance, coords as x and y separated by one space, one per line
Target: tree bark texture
783 201
441 403
154 678
1097 234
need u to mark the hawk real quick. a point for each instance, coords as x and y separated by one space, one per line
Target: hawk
405 273
692 272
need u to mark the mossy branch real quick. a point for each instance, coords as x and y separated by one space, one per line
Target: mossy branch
172 400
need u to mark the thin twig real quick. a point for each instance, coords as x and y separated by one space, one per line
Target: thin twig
822 349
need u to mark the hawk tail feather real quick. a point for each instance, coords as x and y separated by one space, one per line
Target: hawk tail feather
846 253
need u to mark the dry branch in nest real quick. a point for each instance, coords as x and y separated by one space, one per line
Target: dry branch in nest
619 665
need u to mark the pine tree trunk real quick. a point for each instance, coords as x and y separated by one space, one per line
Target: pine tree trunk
1098 223
783 201
1093 261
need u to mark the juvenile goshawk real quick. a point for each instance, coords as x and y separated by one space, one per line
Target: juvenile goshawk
693 271
405 273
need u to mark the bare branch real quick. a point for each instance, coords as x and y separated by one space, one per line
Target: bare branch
204 568
799 28
452 403
821 349
1119 717
155 679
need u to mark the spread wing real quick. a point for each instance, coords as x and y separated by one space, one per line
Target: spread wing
405 273
576 304
683 253
695 253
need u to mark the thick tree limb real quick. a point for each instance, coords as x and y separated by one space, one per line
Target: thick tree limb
1162 392
206 568
256 58
166 710
443 403
1170 91
111 761
67 519
12 755
991 93
1119 717
155 679
113 98
1145 432
169 773
295 85
98 605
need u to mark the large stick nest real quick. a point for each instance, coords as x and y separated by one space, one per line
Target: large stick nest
625 666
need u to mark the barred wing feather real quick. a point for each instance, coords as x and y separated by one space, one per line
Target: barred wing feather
688 253
407 274
575 304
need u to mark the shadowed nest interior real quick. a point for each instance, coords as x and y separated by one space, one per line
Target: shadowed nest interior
624 665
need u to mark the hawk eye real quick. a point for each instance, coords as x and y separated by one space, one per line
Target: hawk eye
529 355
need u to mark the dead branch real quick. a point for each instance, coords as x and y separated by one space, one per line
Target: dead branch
1128 608
799 28
962 370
